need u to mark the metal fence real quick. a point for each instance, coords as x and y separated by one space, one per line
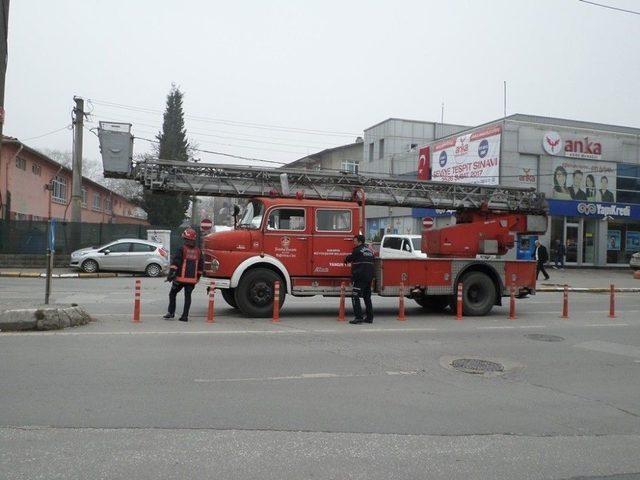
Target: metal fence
30 237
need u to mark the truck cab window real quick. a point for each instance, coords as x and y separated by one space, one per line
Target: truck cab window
333 220
252 217
286 219
393 242
406 246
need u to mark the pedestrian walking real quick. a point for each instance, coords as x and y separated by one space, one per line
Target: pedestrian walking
362 270
560 253
186 270
542 257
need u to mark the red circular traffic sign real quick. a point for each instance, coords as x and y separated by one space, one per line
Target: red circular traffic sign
427 222
206 224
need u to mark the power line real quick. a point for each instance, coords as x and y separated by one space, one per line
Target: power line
205 119
221 153
611 7
66 127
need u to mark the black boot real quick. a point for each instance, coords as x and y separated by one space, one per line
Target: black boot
184 319
169 316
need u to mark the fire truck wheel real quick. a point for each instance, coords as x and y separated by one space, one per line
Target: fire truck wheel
229 296
478 294
254 294
435 303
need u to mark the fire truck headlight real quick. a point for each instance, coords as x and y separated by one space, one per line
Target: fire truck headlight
214 265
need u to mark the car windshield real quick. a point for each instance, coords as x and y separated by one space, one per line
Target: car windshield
416 243
252 217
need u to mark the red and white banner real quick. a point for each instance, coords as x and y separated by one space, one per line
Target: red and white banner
423 163
470 158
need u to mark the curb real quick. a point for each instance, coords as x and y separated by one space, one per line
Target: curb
65 275
588 290
43 318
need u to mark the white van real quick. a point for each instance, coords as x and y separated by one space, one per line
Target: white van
401 246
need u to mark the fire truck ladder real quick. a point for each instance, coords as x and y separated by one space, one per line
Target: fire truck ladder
247 181
207 179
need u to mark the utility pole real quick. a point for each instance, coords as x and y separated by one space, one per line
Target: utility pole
76 186
4 34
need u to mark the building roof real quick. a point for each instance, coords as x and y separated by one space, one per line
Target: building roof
411 121
326 151
553 122
42 156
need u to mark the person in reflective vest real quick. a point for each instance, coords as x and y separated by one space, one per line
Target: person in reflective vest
185 272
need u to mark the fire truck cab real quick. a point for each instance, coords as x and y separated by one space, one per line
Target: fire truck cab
301 243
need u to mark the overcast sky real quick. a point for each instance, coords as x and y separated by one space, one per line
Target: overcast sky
323 66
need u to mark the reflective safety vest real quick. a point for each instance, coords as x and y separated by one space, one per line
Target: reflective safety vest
188 264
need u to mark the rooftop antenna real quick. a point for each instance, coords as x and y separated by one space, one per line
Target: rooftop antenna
505 99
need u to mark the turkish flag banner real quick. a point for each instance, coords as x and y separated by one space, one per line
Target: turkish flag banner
423 163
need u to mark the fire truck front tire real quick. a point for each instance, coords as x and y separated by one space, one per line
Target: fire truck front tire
478 294
229 296
254 293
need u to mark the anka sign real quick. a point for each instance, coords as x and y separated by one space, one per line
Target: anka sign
584 147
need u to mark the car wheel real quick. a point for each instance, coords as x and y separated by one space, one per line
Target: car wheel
153 270
254 294
478 294
89 266
229 296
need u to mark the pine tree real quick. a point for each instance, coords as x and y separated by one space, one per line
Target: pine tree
169 210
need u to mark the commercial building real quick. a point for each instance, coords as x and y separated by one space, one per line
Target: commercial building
345 158
590 173
25 175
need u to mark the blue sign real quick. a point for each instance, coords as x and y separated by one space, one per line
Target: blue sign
443 158
526 247
52 235
483 148
576 208
431 212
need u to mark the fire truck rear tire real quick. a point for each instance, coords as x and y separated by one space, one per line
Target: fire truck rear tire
254 293
478 294
229 296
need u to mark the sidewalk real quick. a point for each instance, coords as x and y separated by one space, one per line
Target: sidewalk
59 273
594 279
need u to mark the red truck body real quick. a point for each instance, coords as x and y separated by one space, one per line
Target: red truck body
303 244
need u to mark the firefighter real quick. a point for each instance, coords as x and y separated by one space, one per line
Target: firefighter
362 270
185 272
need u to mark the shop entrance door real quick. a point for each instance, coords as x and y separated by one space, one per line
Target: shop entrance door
571 242
588 242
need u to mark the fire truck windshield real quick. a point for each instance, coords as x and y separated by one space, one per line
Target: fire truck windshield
252 217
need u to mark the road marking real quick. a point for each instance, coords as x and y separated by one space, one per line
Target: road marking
609 347
295 331
304 376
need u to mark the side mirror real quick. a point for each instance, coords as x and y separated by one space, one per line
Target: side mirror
236 212
106 252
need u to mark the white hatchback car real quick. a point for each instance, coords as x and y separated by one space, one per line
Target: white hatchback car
126 254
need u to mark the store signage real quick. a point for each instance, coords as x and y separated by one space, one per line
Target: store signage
593 209
600 209
470 158
583 147
527 176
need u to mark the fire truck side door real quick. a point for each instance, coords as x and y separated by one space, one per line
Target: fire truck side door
287 237
332 241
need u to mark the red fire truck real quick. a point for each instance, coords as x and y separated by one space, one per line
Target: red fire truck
299 225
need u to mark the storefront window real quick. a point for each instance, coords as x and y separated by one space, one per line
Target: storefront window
572 242
623 240
589 241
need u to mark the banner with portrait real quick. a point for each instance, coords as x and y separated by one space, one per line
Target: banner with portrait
586 180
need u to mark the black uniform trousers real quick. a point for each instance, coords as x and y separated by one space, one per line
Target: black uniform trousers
175 288
362 289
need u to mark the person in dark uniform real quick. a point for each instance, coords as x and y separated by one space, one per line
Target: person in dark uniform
362 271
542 257
186 270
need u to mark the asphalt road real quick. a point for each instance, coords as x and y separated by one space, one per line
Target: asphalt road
311 397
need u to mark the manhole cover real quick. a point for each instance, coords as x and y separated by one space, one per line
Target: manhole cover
474 365
544 338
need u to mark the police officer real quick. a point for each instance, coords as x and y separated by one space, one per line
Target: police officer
186 270
362 270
